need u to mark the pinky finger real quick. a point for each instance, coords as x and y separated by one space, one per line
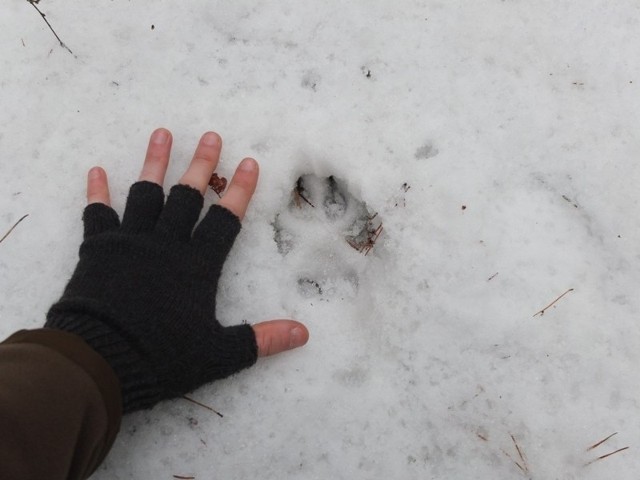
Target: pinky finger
98 187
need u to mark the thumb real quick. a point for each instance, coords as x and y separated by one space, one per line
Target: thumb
277 336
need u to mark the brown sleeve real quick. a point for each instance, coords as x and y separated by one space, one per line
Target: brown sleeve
60 406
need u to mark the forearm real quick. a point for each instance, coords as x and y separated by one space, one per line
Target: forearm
60 406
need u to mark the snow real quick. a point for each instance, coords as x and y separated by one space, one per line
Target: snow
495 140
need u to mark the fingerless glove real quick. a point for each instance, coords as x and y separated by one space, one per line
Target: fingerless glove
143 294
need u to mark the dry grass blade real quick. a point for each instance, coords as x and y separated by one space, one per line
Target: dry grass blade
14 226
522 468
299 195
203 405
520 454
522 464
373 239
601 441
541 312
607 455
612 453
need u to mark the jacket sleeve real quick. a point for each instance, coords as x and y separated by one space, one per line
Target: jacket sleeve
60 406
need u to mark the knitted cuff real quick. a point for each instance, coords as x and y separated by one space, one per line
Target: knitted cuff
138 390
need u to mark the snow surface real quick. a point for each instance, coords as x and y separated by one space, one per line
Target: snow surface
514 127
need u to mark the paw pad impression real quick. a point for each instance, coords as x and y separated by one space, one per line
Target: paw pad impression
320 229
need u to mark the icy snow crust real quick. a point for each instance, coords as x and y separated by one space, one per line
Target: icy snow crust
513 125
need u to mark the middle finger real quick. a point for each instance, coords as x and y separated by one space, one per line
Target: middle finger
157 158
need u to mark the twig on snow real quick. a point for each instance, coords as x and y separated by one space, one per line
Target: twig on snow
62 44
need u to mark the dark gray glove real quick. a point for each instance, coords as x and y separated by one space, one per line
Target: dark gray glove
143 294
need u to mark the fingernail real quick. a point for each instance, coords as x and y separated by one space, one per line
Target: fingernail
295 338
210 139
248 165
94 173
160 137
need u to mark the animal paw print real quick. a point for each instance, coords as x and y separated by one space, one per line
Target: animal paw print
324 231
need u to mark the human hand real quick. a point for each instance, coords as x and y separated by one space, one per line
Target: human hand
143 293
